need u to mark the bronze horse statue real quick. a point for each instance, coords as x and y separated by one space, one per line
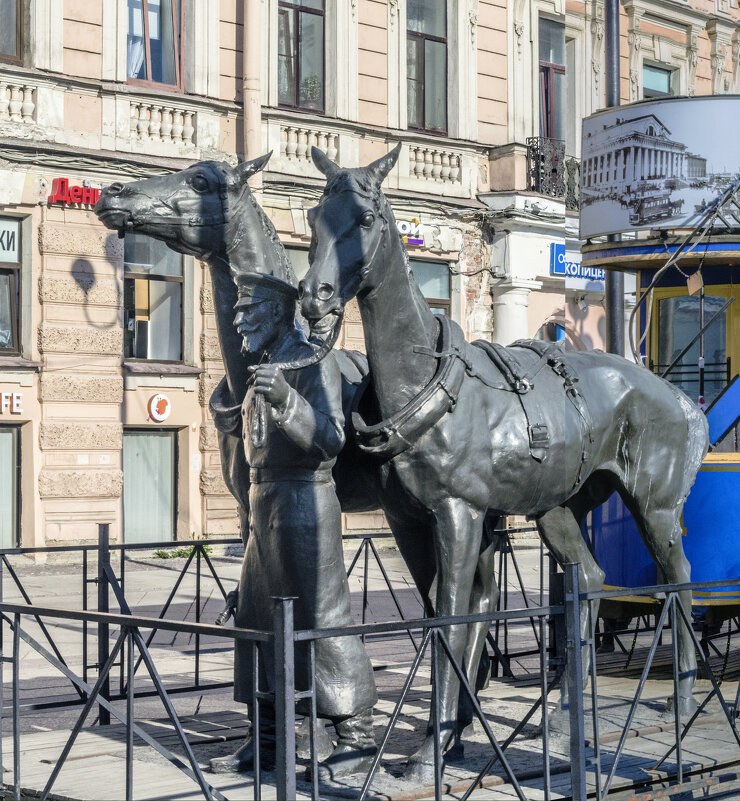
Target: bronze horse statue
457 429
208 211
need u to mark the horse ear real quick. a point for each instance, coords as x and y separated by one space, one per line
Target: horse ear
323 163
379 169
248 168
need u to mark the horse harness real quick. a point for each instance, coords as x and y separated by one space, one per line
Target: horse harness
396 434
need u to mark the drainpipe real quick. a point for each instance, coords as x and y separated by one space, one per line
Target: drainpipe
614 279
251 86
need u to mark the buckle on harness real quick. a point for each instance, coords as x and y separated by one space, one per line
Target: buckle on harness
523 385
539 437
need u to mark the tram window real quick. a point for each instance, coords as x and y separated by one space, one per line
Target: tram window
433 278
678 323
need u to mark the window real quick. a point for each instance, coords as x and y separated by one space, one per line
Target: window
299 259
9 468
678 324
433 278
301 54
11 30
552 79
656 81
426 64
152 300
10 258
154 42
149 481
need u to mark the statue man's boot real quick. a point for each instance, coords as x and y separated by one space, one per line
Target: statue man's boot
243 758
355 747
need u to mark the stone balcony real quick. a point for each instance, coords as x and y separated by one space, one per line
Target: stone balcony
427 164
33 107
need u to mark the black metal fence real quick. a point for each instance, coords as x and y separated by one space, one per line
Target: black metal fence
550 172
124 643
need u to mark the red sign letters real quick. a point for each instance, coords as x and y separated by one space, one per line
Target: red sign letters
62 192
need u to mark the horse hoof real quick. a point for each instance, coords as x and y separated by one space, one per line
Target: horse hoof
686 706
419 773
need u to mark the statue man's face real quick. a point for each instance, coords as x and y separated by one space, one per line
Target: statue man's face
259 325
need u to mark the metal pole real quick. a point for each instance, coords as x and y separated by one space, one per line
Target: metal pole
284 698
574 669
103 629
614 294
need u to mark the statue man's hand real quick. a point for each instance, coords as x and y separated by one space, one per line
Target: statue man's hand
269 381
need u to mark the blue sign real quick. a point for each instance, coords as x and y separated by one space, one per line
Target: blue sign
559 265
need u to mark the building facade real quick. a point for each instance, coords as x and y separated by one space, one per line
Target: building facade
108 346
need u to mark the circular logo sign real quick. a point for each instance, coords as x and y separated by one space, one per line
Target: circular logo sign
159 408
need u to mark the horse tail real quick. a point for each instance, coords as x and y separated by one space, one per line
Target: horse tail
697 443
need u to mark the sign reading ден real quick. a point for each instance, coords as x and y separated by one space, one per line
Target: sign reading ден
62 192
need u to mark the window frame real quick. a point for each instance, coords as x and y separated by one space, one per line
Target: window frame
547 72
648 94
179 85
299 8
131 275
443 304
173 432
423 37
17 510
6 58
13 269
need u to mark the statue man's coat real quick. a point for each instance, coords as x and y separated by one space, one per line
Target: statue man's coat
294 545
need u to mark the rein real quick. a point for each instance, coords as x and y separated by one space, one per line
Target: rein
259 429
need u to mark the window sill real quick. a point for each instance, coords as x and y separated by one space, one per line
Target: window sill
16 363
137 367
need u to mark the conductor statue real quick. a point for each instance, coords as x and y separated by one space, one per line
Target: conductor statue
292 428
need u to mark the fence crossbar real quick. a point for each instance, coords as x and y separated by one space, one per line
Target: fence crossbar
463 679
41 624
396 712
638 694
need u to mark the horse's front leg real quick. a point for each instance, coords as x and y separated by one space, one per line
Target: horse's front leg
457 538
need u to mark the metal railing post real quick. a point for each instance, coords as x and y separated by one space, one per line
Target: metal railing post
103 629
574 670
285 777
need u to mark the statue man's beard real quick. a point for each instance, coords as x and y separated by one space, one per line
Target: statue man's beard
254 345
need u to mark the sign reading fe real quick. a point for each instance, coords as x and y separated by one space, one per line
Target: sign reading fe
62 192
11 402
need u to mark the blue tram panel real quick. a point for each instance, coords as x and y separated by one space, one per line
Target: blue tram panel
711 522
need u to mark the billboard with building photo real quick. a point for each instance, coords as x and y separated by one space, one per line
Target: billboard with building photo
656 164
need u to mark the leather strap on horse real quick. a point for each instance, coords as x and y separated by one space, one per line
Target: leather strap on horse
396 434
522 382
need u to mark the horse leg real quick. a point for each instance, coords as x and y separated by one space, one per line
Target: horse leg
414 542
484 598
457 547
560 529
661 532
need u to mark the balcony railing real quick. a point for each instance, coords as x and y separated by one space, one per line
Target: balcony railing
551 172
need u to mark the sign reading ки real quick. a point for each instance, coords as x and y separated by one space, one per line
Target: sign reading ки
9 241
62 192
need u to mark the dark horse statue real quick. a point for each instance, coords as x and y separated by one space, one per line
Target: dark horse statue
457 429
208 211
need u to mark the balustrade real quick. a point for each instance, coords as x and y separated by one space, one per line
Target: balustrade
17 102
434 164
296 142
160 123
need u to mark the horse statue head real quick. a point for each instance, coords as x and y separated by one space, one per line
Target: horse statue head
207 211
353 227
